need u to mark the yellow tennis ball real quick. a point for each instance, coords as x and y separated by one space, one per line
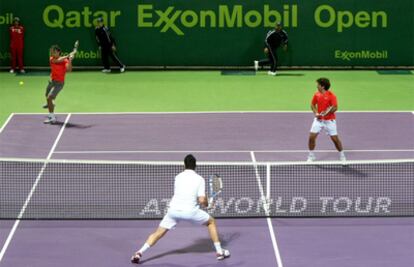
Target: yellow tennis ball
21 83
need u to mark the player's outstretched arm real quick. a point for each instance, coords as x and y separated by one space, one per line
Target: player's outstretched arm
60 59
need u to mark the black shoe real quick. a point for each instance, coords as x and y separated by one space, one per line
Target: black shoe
46 106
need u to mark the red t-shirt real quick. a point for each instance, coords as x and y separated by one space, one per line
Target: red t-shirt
323 101
16 36
58 70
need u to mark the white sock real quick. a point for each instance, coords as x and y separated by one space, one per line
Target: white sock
311 154
52 115
217 245
144 248
341 153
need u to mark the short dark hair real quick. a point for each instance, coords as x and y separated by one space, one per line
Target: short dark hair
190 162
324 82
55 48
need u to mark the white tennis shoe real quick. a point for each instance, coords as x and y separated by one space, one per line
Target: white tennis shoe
50 120
271 73
106 70
224 254
342 158
311 158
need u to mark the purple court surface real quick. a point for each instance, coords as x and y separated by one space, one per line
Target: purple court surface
237 136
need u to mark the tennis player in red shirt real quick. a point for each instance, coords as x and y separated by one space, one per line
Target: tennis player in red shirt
324 106
16 45
59 65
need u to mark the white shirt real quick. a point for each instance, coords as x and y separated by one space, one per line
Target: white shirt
188 186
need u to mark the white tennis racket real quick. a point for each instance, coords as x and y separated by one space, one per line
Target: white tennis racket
215 186
76 46
75 49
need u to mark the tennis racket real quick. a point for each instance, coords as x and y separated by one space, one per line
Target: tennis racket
326 111
215 186
75 49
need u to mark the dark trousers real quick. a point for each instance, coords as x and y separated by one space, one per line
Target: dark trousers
270 60
107 52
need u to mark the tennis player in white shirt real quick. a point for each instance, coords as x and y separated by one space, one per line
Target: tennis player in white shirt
189 195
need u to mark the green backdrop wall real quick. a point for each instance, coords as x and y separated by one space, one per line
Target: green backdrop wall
218 32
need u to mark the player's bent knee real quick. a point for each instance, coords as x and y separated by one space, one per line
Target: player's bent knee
210 221
313 136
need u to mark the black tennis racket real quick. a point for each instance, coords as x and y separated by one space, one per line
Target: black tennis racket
326 111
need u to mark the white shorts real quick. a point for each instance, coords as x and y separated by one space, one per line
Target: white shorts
173 217
328 125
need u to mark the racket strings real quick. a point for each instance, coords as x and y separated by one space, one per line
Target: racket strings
217 184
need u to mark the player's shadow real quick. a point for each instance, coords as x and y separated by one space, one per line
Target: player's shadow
344 170
114 72
289 74
238 72
202 245
33 73
218 263
73 125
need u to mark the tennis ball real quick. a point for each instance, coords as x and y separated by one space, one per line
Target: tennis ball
21 83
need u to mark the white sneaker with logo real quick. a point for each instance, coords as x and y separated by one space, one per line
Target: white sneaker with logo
50 120
224 254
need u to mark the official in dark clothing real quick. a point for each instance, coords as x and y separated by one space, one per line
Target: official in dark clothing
274 39
107 46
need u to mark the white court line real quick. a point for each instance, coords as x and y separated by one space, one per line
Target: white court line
29 197
266 208
7 121
224 151
216 112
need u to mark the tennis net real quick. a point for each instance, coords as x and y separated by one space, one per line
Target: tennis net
68 189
